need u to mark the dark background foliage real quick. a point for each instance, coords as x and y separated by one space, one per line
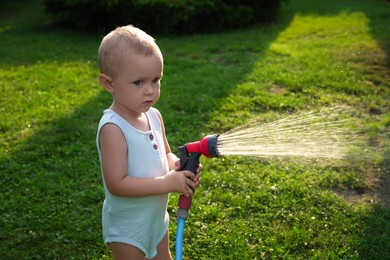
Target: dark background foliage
163 16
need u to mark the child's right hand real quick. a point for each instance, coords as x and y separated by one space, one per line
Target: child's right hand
181 181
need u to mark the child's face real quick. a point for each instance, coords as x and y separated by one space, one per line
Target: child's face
136 86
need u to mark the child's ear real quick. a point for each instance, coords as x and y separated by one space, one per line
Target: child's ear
106 83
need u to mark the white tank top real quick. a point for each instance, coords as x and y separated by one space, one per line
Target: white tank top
141 222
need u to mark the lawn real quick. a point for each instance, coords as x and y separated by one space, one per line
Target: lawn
318 54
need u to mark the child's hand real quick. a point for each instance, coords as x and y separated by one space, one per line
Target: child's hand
196 179
181 181
197 176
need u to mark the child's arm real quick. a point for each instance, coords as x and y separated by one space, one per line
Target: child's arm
114 163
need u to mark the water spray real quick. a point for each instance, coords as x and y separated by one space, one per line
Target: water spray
321 135
189 160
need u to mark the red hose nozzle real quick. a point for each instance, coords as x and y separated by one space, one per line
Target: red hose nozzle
189 159
207 146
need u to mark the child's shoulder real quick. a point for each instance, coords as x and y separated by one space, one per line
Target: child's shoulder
108 115
154 110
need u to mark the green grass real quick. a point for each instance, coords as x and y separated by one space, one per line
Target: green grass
318 54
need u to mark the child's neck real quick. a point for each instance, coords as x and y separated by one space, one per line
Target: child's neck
137 120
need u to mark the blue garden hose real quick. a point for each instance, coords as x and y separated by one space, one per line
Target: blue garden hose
189 160
181 222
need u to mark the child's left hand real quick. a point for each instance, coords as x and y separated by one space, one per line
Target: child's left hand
196 179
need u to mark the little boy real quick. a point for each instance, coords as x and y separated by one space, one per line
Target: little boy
138 168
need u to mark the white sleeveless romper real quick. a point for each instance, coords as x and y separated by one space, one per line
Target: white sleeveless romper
141 222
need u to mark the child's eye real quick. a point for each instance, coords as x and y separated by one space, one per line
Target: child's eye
138 82
156 80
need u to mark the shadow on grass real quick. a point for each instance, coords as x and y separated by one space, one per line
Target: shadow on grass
28 38
56 193
51 191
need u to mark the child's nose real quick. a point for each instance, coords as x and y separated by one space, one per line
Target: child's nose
149 88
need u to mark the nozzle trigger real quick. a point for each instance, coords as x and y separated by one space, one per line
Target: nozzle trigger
183 156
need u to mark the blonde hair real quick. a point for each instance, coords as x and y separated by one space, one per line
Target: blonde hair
121 41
